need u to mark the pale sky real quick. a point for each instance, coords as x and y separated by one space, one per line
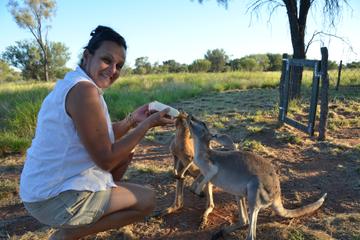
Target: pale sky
183 30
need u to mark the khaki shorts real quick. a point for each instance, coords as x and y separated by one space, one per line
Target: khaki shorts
70 208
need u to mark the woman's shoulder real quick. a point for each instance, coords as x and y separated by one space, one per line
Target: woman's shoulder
76 75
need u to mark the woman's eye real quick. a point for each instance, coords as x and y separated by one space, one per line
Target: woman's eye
119 66
106 60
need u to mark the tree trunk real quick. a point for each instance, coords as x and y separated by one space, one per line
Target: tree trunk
46 68
297 23
44 49
296 79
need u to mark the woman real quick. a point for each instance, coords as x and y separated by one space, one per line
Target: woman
71 177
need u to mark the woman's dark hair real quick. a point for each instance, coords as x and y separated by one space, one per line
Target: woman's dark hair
101 34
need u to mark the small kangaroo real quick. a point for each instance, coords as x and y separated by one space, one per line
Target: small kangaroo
182 149
242 174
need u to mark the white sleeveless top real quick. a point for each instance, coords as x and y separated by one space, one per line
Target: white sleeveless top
57 160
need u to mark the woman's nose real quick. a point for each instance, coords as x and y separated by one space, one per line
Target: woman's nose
112 69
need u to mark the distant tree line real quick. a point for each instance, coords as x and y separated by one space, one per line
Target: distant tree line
214 61
217 61
26 56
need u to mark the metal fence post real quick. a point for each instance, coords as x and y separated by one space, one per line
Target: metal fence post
339 76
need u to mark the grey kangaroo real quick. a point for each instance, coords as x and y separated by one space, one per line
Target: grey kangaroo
242 174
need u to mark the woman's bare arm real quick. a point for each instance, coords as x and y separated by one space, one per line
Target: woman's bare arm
84 107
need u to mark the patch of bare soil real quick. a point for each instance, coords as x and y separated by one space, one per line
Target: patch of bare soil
307 169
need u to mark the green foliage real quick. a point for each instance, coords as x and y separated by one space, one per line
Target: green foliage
275 62
19 106
255 129
252 145
332 65
32 15
142 65
257 62
200 65
20 102
126 70
58 55
174 67
10 143
6 73
27 56
248 64
287 137
218 59
353 65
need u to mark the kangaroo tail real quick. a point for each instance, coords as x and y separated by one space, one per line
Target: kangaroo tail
292 213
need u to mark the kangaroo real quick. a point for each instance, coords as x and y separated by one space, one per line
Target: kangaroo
242 174
182 149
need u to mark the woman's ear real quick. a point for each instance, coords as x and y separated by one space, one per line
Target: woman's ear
86 55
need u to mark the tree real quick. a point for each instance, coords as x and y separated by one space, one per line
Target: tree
58 55
235 64
32 16
142 65
200 65
218 59
275 62
26 56
297 12
6 73
353 65
332 65
173 66
262 61
248 64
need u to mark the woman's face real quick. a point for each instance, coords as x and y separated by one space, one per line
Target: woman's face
105 64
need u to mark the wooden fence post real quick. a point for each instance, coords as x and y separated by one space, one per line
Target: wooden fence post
281 87
324 108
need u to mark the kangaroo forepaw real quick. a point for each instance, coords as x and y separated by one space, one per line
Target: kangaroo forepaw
203 224
217 235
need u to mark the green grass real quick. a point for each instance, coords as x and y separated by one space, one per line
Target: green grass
21 101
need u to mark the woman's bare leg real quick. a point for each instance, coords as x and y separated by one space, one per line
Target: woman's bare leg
128 203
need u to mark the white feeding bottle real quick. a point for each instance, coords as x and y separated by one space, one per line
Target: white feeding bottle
158 106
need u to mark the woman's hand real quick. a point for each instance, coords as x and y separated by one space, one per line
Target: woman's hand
141 113
155 118
160 118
